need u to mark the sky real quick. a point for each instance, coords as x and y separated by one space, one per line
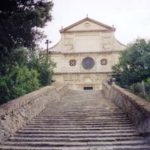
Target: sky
131 18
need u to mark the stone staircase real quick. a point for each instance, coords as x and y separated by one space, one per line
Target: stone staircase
82 120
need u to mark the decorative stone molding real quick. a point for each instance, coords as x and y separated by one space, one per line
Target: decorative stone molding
72 62
103 61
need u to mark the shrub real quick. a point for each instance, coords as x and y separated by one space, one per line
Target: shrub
142 89
137 88
147 88
44 68
19 82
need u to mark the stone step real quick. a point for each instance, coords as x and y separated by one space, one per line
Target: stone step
76 131
83 109
92 121
83 125
64 128
84 120
81 121
76 135
104 139
78 116
88 118
74 143
64 115
108 110
96 115
119 147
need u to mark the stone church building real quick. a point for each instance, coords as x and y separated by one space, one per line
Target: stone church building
85 54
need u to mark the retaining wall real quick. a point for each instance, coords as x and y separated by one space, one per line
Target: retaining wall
16 113
136 108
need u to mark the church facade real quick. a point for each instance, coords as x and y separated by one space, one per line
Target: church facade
85 54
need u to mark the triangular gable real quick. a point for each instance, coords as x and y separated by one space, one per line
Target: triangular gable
87 24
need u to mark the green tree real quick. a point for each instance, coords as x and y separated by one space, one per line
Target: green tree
134 64
18 82
44 68
19 23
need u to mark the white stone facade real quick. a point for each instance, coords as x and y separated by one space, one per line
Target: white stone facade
85 39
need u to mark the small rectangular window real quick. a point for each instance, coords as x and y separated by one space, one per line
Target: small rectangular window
88 88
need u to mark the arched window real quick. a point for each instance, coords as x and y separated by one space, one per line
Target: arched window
72 62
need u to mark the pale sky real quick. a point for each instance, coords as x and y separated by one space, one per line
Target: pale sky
131 18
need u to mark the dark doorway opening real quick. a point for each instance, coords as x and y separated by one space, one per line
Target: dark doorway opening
88 88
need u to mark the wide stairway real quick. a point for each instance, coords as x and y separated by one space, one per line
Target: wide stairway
82 120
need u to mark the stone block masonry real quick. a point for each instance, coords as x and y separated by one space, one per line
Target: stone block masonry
80 120
136 108
16 113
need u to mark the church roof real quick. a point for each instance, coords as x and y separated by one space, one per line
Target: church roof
66 29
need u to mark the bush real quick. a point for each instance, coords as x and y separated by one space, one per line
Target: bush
44 68
142 89
137 88
147 88
45 74
19 82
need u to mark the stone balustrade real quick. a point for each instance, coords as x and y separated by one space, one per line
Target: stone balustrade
16 113
136 108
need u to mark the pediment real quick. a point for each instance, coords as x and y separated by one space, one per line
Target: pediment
87 24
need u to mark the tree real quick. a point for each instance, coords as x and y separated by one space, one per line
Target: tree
29 73
134 64
19 23
44 69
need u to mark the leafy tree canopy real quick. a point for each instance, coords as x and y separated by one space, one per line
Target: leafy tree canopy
134 64
21 69
19 22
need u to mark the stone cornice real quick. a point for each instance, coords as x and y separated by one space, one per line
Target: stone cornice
79 31
76 53
65 73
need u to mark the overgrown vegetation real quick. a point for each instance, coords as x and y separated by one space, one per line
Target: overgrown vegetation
21 69
133 70
44 67
18 82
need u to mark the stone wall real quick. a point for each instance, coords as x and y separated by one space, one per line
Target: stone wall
137 109
16 113
63 66
78 81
